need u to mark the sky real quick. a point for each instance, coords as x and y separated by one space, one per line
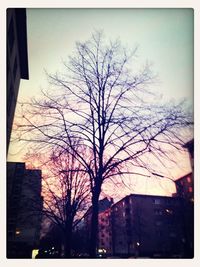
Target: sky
163 36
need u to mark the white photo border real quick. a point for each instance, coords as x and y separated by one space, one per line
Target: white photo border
195 4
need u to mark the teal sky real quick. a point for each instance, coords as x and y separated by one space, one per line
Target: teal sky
164 37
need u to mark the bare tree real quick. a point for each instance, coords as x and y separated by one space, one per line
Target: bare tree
105 101
66 193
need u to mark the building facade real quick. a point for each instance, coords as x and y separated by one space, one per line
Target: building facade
24 210
148 226
17 60
185 187
104 227
185 190
105 233
190 148
185 184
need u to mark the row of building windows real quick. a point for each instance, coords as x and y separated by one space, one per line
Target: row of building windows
156 201
188 179
105 244
163 211
104 220
167 211
103 239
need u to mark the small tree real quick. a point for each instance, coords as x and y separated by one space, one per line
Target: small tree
66 193
106 103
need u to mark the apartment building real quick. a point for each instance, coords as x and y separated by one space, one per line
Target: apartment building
148 226
17 60
24 210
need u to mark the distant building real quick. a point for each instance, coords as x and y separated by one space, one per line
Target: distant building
24 210
148 226
185 184
103 205
17 60
104 224
190 147
105 233
185 187
185 190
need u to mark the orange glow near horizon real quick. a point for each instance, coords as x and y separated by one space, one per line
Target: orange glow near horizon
136 184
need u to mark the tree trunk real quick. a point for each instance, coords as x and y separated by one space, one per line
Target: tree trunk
67 241
68 246
94 225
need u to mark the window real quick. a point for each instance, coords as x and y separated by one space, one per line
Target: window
17 232
157 201
190 189
20 169
11 224
128 232
127 210
169 201
10 234
169 211
12 220
128 221
189 179
16 197
158 223
158 212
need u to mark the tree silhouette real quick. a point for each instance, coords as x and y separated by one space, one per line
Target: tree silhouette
105 102
66 193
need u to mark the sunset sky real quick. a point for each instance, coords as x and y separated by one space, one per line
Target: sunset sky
164 37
